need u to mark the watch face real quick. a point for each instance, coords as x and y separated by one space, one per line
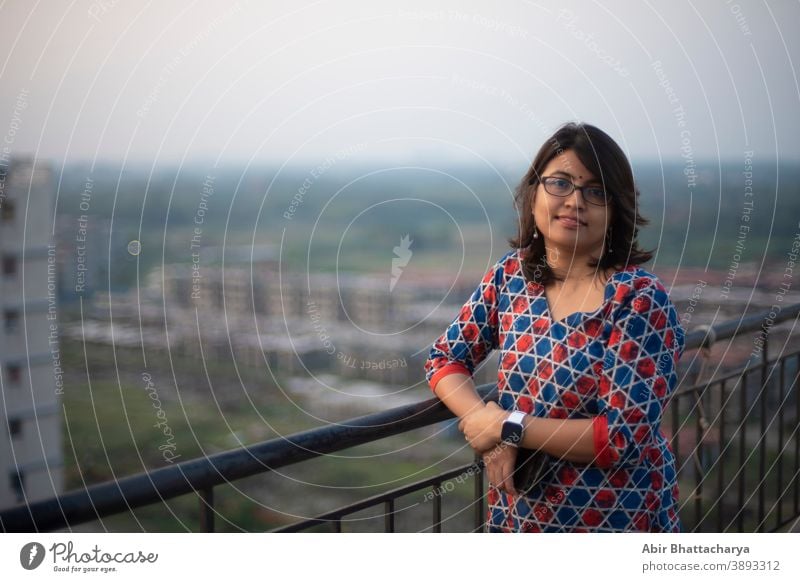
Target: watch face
511 433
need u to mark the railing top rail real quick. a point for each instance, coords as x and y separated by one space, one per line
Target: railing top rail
112 497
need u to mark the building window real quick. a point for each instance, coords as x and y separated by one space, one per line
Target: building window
7 210
15 427
14 373
11 320
18 485
9 265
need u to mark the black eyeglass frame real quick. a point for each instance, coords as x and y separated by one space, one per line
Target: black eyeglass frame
606 196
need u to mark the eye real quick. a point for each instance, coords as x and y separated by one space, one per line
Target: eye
560 183
596 193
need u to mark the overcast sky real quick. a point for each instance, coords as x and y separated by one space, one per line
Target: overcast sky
405 81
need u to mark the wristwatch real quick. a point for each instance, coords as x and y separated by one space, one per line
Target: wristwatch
513 428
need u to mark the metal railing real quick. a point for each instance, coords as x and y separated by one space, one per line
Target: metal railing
777 501
746 446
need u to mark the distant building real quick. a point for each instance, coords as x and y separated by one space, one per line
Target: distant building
83 242
30 437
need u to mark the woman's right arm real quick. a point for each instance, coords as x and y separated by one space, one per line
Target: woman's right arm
459 395
466 342
454 356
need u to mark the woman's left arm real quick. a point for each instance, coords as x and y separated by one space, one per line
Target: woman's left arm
572 440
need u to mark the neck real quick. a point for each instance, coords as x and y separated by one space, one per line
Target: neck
571 268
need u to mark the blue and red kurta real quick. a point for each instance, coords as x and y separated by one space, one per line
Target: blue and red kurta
615 365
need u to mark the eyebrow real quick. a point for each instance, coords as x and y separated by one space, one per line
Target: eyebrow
570 176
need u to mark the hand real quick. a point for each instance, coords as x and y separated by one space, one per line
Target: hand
482 428
499 463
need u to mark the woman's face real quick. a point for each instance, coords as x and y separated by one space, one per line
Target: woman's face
584 238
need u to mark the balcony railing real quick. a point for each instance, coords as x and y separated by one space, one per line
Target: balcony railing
735 439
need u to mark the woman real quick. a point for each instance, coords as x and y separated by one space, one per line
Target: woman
590 343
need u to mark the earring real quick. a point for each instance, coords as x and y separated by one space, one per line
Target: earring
608 244
535 231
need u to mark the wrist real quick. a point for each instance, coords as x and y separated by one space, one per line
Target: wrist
474 409
497 426
512 429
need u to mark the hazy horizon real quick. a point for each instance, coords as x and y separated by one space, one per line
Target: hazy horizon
450 80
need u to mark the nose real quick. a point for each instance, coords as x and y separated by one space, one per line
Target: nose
579 201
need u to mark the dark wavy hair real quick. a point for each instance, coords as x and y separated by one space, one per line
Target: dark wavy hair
605 159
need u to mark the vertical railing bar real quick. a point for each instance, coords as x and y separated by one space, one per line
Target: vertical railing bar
721 460
742 457
478 495
388 520
796 478
337 525
698 465
437 507
762 446
206 499
779 487
674 441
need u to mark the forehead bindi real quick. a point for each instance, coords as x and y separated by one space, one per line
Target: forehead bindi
569 166
584 178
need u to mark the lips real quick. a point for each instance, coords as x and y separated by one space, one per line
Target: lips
571 220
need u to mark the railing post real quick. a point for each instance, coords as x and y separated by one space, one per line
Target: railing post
697 455
796 477
437 507
762 446
779 492
388 519
721 484
698 464
742 450
206 509
479 495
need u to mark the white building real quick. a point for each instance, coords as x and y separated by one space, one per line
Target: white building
30 434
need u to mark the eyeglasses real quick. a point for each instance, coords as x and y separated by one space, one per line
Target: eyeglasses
562 187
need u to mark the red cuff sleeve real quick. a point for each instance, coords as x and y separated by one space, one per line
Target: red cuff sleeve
451 368
603 454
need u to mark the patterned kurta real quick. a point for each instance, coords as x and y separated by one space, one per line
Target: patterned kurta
615 365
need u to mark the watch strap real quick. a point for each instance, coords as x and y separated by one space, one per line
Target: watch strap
513 428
